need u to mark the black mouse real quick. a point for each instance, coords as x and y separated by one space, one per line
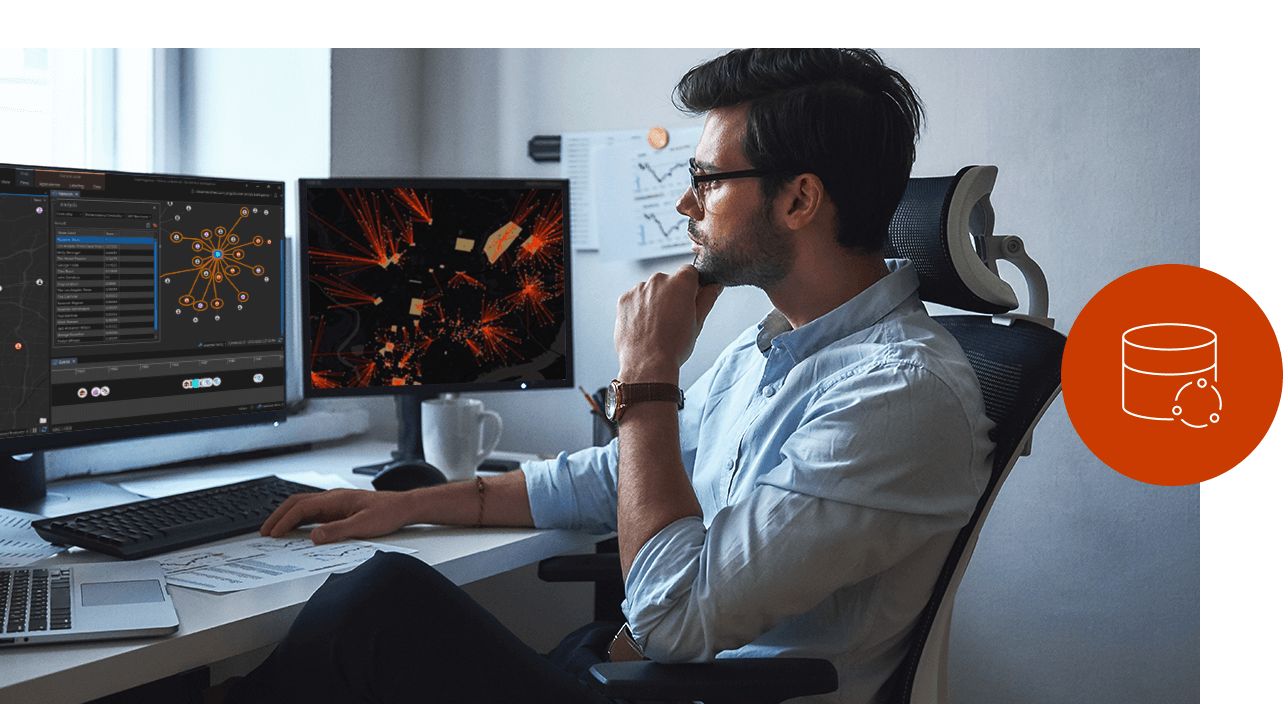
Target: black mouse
402 476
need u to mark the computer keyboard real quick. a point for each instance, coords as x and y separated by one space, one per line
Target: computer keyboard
35 599
169 523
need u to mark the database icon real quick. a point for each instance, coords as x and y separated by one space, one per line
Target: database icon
1169 373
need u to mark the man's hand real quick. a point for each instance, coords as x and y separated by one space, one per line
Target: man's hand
658 323
353 513
344 513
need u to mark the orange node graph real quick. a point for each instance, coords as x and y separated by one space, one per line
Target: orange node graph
325 380
501 240
381 244
217 251
423 212
531 297
461 278
542 248
344 293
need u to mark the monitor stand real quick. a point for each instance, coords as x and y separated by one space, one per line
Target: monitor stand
22 481
410 450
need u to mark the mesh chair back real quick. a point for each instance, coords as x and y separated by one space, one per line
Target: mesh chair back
1018 367
919 231
1019 373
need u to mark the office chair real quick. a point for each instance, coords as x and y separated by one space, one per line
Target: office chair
945 226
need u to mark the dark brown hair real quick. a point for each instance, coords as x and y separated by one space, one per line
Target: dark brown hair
840 114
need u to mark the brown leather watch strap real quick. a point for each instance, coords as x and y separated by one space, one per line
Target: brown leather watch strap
622 396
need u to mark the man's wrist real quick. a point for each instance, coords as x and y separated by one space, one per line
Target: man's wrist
622 395
649 374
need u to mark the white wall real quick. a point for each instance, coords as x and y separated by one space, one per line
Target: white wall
257 113
1085 584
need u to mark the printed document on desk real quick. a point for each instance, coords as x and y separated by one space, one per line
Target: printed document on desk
19 544
256 561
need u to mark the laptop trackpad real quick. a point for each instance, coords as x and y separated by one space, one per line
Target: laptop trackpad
116 593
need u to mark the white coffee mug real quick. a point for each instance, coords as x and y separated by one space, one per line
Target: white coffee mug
457 435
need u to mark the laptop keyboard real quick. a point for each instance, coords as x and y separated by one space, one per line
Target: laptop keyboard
35 600
153 526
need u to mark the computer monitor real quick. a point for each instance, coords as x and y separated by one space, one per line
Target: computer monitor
134 304
419 287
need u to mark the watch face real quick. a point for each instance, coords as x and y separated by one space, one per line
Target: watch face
610 402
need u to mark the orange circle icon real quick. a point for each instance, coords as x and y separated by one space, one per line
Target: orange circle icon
1172 375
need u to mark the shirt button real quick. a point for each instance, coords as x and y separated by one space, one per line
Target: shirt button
767 391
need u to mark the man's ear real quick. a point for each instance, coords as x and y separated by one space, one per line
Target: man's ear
800 201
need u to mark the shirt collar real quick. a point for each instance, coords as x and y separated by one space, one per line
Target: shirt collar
864 310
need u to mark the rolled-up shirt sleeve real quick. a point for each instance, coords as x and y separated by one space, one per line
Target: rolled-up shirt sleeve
576 492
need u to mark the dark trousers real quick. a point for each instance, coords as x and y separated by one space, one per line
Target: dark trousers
395 630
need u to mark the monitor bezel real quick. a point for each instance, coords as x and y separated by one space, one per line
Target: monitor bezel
425 391
42 442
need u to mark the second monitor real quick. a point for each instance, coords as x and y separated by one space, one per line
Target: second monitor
416 287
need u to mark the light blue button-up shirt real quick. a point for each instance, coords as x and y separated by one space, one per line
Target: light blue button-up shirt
834 465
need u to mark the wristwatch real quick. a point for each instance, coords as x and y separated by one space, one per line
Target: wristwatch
620 396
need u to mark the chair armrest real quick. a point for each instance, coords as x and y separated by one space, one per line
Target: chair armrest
729 679
597 567
767 680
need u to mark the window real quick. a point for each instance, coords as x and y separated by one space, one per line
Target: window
262 114
79 108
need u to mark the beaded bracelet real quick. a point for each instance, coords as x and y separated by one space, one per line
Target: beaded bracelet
478 481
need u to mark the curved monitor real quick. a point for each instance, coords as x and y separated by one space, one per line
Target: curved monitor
416 287
136 304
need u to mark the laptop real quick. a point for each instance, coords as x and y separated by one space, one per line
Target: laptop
93 601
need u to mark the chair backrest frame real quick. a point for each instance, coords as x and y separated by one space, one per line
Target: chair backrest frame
945 226
922 677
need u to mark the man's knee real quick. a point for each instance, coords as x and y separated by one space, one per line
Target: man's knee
391 570
385 590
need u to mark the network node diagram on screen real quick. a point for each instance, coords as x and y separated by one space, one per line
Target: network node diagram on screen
216 258
412 286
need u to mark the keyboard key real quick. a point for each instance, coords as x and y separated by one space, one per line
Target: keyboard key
154 526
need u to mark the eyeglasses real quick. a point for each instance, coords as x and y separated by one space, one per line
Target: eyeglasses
695 178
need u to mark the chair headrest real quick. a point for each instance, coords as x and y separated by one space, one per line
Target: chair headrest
942 224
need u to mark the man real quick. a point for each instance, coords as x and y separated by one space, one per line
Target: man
799 499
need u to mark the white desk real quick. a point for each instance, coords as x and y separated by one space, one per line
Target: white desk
213 627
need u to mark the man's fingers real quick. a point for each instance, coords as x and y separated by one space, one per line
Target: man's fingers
658 322
706 300
343 513
305 508
329 532
279 513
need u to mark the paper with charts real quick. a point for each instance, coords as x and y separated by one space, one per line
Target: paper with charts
636 189
255 562
624 192
19 544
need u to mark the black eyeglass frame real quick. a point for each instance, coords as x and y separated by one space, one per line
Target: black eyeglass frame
695 178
